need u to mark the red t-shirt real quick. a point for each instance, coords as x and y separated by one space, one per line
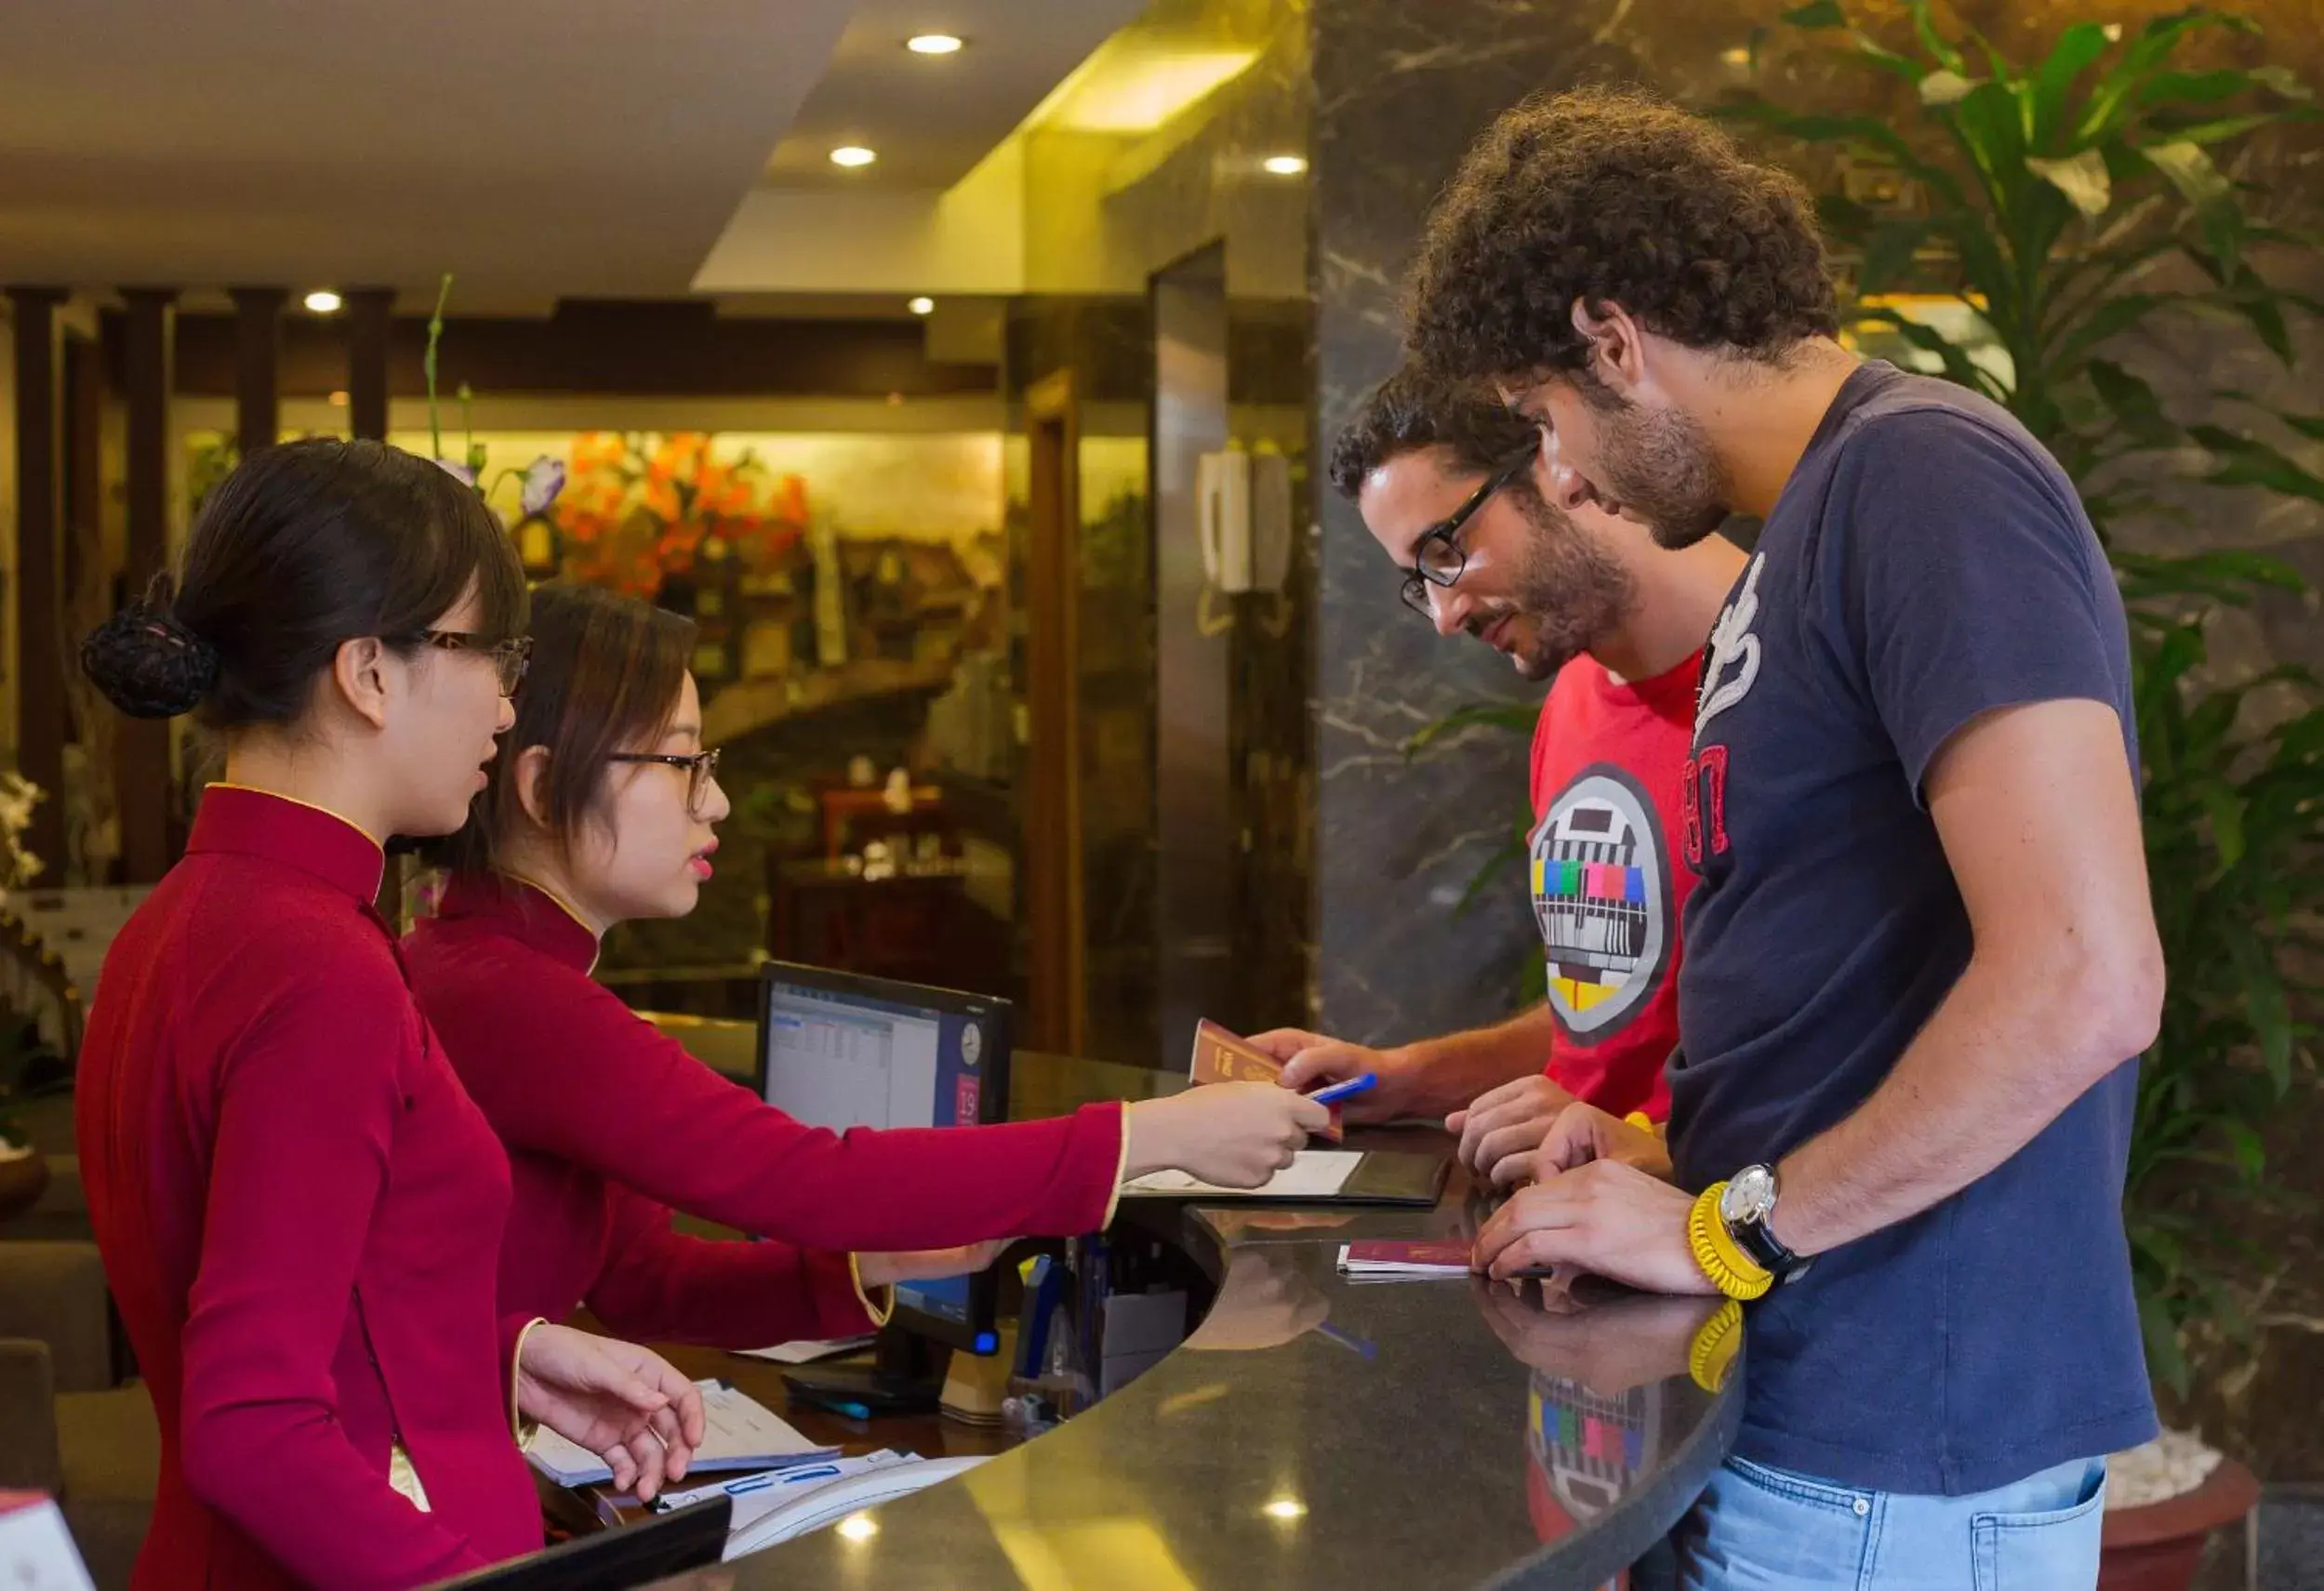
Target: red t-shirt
1607 884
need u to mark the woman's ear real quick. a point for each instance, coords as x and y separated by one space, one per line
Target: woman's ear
359 673
532 783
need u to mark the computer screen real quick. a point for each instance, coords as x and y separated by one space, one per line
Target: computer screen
839 1050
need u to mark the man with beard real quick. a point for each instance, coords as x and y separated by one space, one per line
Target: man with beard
1446 479
1921 947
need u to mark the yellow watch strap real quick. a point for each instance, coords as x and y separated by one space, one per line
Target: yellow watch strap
1733 1272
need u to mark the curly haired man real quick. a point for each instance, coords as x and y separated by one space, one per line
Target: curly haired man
1921 948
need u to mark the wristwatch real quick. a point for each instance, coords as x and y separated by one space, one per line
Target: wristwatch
1745 1209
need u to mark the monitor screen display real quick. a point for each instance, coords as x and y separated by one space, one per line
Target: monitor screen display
847 1060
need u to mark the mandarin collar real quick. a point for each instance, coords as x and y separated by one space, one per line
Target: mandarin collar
526 912
240 820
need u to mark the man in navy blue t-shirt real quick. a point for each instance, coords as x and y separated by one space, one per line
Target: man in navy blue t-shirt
1922 955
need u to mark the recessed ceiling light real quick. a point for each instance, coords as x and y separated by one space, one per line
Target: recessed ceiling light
933 44
853 154
921 306
323 301
1284 164
1285 1509
858 1527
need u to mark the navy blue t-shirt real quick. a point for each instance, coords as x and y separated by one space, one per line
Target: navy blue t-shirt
1927 563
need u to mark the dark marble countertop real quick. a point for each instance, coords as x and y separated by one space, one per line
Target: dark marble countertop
1318 1432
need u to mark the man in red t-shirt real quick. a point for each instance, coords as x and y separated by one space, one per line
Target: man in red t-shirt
1446 479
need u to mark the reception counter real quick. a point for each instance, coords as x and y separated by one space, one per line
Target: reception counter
1314 1431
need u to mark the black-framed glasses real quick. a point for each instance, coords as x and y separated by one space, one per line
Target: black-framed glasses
701 767
1438 558
509 657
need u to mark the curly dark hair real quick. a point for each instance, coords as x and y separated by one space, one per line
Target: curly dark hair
1415 409
1612 195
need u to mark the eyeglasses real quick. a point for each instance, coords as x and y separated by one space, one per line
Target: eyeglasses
1438 558
701 769
510 657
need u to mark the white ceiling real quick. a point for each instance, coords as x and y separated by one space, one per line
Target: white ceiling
535 147
931 118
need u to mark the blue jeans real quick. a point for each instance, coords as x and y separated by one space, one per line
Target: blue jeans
1756 1527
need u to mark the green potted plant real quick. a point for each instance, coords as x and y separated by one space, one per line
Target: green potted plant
2062 210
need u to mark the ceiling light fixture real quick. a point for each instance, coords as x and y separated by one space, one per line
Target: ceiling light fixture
921 306
853 154
1284 164
1285 1509
933 44
858 1527
323 301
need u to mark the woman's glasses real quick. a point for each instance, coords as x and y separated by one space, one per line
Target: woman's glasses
702 768
509 659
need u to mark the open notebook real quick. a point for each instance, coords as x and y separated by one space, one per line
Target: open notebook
740 1433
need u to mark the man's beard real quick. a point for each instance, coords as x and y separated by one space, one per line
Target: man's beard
1659 465
1572 593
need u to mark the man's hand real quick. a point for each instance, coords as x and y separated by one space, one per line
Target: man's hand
1509 1122
1608 1347
1606 1219
626 1403
924 1265
1582 1133
1310 1060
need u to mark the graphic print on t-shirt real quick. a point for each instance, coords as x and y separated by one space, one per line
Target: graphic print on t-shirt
1732 662
1602 897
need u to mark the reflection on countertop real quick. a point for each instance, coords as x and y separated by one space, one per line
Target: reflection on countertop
1318 1432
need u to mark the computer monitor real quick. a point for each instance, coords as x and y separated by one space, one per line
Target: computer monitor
839 1050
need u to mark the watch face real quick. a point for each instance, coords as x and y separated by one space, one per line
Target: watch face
1750 1194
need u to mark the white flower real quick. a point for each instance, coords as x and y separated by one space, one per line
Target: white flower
457 471
542 483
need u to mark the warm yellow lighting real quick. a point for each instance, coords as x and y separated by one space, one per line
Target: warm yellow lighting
933 44
323 301
858 1527
1285 1509
921 306
339 398
1738 56
853 154
1284 164
1134 90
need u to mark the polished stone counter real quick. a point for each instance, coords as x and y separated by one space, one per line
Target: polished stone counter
1320 1433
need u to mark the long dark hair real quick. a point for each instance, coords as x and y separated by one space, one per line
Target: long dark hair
304 548
605 676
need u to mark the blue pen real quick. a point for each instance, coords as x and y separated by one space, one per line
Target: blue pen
1349 1090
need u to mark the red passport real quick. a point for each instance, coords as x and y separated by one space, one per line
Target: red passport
1222 1056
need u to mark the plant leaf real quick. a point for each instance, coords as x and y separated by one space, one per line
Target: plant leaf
2081 178
2282 79
1944 87
2077 47
2225 809
2164 1356
2132 402
2247 461
2190 171
1945 54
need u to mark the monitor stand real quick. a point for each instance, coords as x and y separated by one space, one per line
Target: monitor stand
904 1377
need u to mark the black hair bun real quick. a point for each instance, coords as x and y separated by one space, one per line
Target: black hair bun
148 664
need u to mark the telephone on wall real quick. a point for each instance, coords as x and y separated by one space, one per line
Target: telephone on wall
1245 520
